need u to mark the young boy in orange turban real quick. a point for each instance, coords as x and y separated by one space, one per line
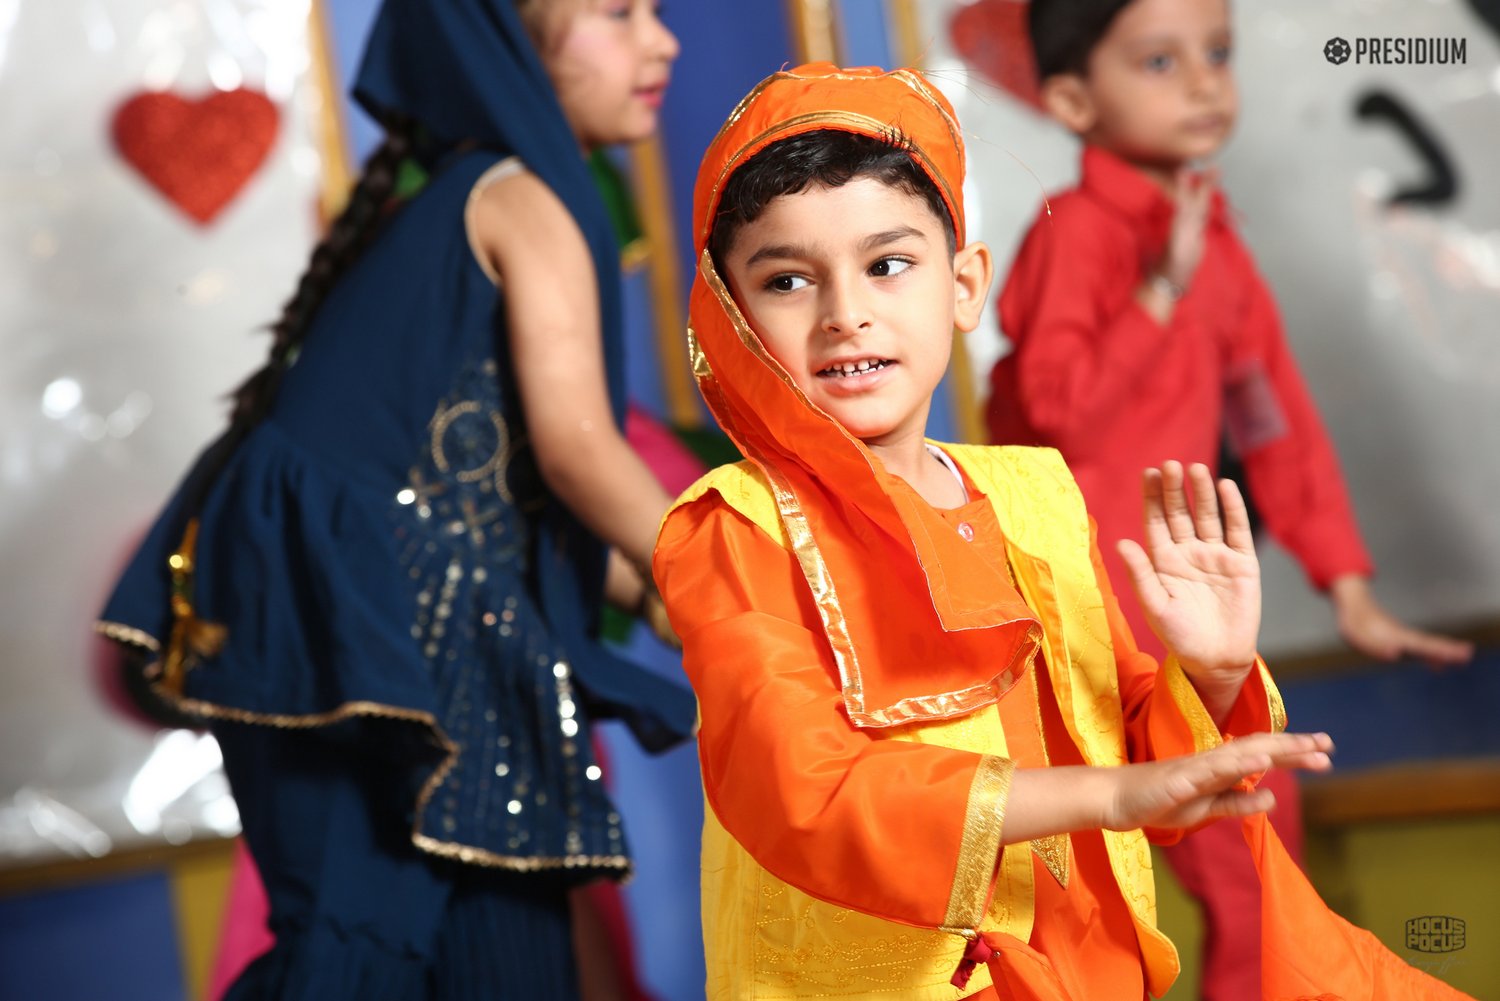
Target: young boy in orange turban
929 744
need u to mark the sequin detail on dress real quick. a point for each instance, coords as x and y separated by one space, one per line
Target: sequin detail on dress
526 791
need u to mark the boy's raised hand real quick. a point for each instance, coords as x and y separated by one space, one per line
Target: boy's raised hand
1183 792
1192 196
1198 579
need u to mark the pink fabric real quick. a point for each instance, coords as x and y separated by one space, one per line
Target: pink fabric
674 465
243 935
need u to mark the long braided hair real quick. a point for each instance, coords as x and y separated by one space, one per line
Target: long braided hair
347 238
348 235
331 258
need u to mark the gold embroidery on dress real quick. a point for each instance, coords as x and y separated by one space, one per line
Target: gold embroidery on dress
1053 850
130 636
980 849
1205 733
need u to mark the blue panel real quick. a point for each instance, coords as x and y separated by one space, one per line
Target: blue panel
727 47
661 798
643 385
866 33
114 940
940 419
349 23
1402 713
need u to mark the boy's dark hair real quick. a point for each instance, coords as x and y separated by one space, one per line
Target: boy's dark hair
828 157
1064 32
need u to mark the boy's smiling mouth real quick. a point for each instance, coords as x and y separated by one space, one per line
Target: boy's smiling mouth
852 369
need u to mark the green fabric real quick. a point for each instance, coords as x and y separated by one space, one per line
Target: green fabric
618 199
711 446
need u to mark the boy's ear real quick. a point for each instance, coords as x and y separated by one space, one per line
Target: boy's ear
973 269
1066 97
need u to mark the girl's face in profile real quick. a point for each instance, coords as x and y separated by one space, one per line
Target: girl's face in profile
610 61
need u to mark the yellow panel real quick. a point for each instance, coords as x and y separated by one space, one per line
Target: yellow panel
333 138
200 887
653 189
1178 916
815 33
1388 874
1379 876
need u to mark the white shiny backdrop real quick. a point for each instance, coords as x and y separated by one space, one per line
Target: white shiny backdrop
122 325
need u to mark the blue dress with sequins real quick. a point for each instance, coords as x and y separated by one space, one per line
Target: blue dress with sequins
410 669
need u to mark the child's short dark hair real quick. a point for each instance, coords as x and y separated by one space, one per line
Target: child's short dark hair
1064 32
827 157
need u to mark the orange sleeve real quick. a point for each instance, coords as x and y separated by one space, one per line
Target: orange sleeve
875 825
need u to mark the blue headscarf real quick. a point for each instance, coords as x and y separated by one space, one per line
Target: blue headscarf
467 71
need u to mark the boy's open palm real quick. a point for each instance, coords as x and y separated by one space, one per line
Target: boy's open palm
1197 577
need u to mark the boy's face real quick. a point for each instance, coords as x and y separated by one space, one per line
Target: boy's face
1159 91
853 290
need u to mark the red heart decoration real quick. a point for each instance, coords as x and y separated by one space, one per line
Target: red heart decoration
991 37
197 153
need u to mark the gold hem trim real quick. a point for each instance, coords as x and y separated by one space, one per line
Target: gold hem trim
1205 734
1274 703
517 863
1052 851
130 636
979 851
468 854
966 933
950 705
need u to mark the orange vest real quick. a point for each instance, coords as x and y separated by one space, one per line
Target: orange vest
766 939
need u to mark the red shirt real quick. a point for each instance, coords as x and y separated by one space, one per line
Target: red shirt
1095 376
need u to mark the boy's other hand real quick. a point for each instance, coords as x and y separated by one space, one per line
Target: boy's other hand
1198 579
1186 791
1369 628
1192 196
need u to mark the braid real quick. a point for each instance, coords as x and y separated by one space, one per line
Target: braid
345 239
330 259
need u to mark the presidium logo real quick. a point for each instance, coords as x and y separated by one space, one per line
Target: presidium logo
1398 51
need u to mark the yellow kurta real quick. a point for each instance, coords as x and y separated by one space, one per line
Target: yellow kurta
851 862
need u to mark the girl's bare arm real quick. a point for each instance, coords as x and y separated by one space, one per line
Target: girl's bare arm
531 240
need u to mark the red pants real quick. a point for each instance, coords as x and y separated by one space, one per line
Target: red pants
1214 867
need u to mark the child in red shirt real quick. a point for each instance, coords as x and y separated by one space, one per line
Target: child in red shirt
1142 331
